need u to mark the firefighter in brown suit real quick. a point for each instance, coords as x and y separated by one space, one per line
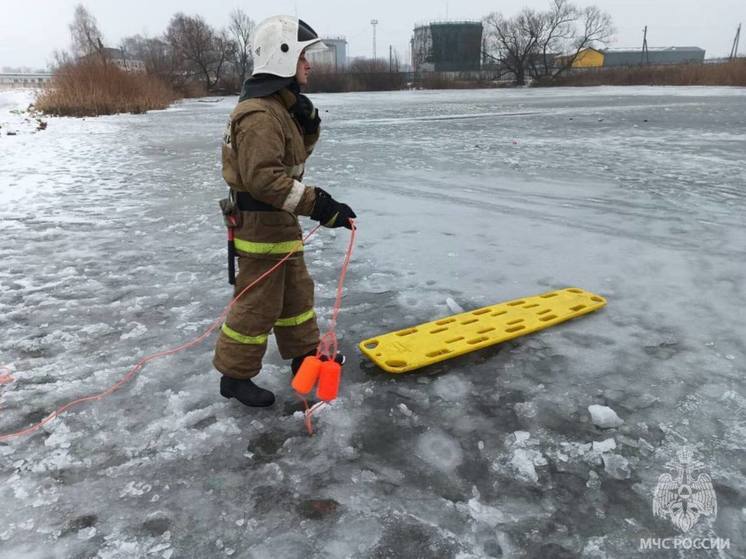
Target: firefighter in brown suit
270 135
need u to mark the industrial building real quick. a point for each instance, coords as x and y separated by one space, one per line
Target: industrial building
333 57
655 56
609 58
447 47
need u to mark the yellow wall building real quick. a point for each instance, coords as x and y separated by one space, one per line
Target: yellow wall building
589 58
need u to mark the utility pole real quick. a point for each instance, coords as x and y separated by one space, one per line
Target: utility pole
374 22
391 58
645 55
734 50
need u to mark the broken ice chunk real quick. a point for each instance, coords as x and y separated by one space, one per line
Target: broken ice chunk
524 462
616 466
604 417
604 446
454 306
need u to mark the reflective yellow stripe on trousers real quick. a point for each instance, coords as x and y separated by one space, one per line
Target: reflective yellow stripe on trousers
250 247
241 338
296 320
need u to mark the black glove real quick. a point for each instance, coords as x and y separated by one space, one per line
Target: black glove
306 114
331 213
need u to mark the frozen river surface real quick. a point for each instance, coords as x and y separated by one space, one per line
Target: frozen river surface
112 248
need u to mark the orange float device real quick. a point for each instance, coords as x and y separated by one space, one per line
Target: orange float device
307 375
329 378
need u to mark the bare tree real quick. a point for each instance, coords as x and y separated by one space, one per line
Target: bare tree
559 28
158 57
199 51
224 48
86 36
193 40
60 59
531 42
242 27
516 39
133 47
596 28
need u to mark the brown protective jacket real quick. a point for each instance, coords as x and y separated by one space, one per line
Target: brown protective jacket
264 154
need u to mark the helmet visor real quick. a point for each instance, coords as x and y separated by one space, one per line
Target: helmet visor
316 47
305 32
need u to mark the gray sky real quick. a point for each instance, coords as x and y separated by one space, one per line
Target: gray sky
31 29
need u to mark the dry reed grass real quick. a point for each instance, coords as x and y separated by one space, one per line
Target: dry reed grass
727 73
89 88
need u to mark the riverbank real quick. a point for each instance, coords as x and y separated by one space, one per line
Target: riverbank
17 114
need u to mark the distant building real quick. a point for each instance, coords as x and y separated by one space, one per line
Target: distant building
14 80
655 56
334 56
447 47
119 59
586 58
609 58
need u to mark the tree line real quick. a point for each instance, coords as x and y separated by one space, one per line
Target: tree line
190 56
194 58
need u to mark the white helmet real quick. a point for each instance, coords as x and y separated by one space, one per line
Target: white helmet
278 43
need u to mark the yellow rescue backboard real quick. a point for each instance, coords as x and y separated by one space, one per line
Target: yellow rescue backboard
431 342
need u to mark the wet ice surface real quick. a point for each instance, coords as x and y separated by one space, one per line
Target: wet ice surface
112 248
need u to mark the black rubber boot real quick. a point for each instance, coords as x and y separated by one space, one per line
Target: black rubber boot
298 361
246 392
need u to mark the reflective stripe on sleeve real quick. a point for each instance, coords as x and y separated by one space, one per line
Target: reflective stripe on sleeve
294 196
241 338
250 247
296 320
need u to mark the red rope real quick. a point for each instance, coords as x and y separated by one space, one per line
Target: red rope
147 359
5 378
328 343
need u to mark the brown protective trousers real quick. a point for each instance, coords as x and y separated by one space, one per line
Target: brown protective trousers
287 296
